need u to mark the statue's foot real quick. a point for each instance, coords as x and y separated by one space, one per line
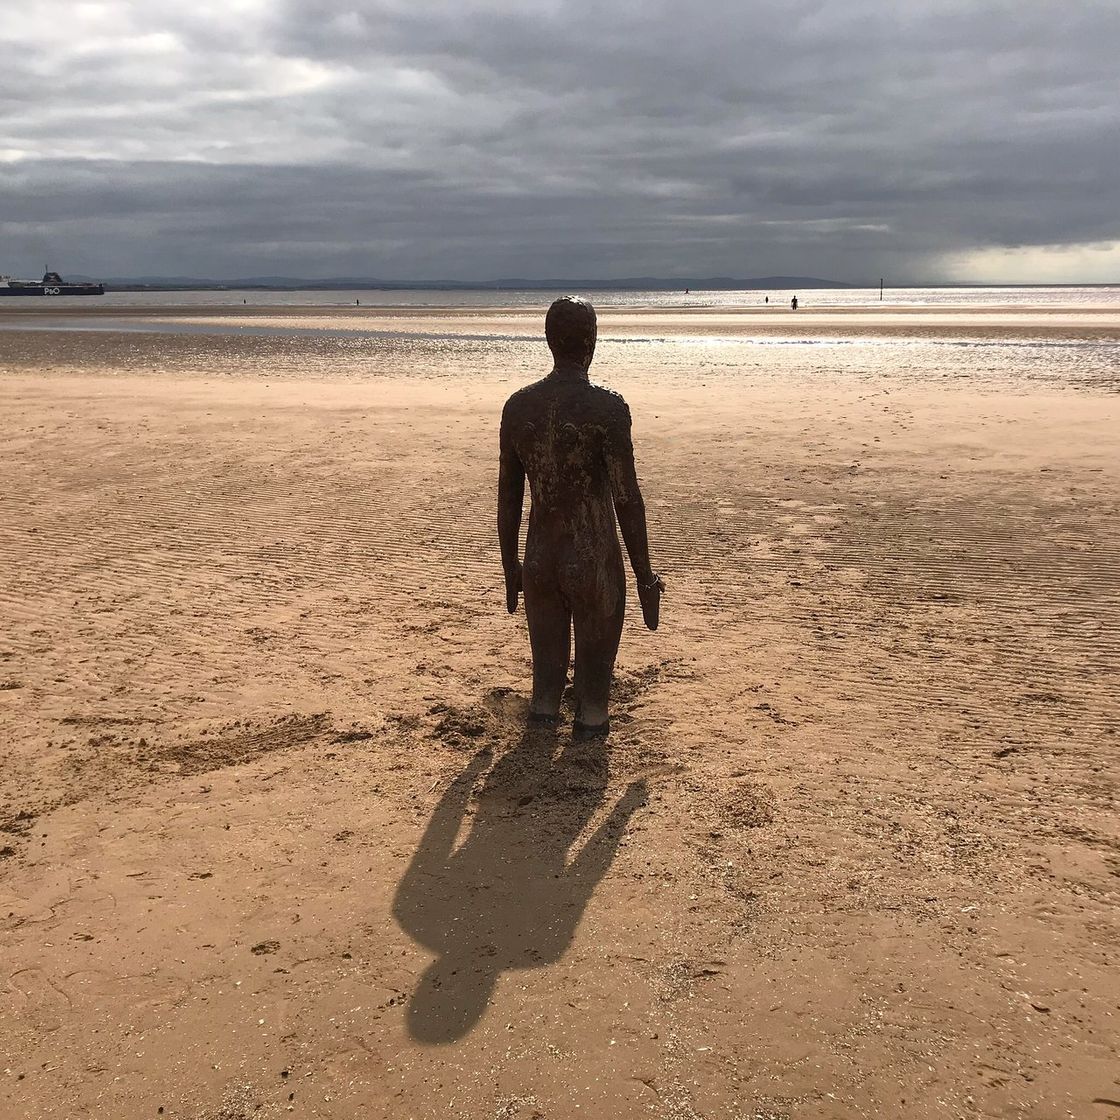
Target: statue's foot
585 732
544 719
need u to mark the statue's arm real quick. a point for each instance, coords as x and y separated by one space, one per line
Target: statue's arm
596 856
630 509
511 499
435 849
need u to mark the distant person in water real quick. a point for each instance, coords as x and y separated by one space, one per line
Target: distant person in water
572 439
793 303
767 299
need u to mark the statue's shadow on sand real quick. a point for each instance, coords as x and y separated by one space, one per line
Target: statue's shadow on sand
511 892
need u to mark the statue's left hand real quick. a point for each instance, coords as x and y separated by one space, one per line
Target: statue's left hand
650 596
513 587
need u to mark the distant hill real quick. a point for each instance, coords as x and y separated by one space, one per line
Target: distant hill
366 283
672 284
158 283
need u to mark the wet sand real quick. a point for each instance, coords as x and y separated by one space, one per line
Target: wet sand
975 322
853 850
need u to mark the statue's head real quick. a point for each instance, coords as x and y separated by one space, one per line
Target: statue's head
570 329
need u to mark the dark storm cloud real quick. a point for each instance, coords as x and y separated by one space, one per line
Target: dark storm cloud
493 138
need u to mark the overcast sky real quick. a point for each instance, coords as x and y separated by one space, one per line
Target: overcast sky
849 139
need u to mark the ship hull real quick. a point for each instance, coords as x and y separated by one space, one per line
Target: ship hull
53 290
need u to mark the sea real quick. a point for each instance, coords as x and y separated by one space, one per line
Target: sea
1081 298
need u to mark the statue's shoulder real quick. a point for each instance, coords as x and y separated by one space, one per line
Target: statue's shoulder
523 399
613 404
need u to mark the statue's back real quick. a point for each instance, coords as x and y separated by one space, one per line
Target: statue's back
562 431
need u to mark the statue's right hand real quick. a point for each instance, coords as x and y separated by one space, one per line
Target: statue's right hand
513 587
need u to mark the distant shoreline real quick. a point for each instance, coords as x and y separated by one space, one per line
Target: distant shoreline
634 284
823 285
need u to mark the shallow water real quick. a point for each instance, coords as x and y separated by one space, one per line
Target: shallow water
1056 297
1064 337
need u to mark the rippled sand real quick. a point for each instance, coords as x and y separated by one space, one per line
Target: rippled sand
251 633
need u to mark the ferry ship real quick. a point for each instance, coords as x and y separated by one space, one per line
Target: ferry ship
51 285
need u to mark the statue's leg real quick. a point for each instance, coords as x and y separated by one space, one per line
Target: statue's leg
598 627
550 636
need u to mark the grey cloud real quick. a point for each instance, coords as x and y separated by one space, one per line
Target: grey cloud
473 139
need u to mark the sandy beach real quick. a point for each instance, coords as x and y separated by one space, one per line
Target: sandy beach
275 842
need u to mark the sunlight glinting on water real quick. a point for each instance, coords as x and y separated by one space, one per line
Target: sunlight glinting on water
1048 297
